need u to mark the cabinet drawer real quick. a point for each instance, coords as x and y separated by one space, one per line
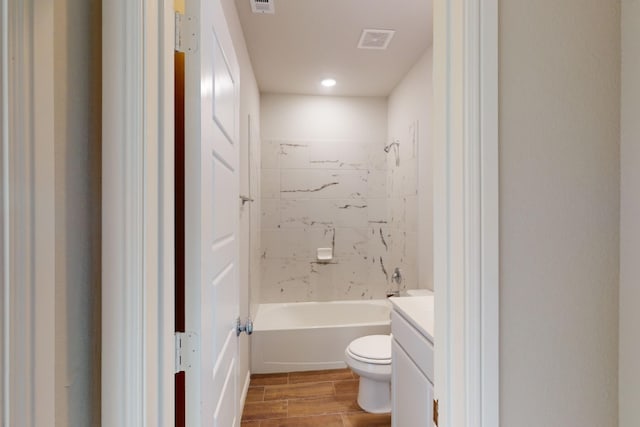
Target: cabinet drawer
414 343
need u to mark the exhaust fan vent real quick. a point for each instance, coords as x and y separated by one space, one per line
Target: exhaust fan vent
375 39
263 6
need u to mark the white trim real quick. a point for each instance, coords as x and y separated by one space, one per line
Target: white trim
466 267
28 214
166 205
138 238
472 216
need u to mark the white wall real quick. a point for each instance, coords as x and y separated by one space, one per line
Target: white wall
323 117
323 185
629 379
409 118
559 212
249 183
78 82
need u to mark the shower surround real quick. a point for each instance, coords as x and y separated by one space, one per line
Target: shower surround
402 203
324 193
328 182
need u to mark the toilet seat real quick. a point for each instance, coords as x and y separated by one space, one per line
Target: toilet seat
374 349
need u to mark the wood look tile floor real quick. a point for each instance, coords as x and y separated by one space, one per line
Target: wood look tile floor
307 399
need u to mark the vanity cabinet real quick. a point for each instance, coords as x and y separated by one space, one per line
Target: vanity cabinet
412 366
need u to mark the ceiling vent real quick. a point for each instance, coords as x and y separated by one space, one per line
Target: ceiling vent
375 39
263 6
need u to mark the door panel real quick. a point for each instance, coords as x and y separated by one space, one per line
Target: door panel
222 416
223 102
223 218
211 219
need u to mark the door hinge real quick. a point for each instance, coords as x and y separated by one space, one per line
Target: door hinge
186 33
186 350
435 412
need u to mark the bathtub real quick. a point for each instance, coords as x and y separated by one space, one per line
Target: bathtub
307 336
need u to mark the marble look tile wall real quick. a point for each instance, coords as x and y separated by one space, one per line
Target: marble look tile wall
325 193
402 205
410 189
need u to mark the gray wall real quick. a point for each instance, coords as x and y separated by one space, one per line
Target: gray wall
630 217
559 212
78 203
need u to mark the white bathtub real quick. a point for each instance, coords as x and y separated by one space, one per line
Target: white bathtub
308 336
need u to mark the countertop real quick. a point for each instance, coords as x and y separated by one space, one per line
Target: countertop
418 311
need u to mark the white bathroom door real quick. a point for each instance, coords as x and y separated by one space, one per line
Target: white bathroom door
211 215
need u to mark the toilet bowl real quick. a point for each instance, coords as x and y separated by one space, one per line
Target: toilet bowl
370 358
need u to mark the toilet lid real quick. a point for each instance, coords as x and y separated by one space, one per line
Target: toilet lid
376 348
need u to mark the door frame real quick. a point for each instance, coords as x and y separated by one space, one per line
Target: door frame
138 361
466 212
138 353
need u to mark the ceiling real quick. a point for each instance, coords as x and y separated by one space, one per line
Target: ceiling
307 40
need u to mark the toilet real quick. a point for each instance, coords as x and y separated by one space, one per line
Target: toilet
370 358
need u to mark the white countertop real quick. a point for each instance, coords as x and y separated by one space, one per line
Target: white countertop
418 311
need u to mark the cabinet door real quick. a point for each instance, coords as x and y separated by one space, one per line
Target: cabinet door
412 392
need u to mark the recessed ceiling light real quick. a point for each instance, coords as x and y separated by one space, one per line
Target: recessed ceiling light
328 82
